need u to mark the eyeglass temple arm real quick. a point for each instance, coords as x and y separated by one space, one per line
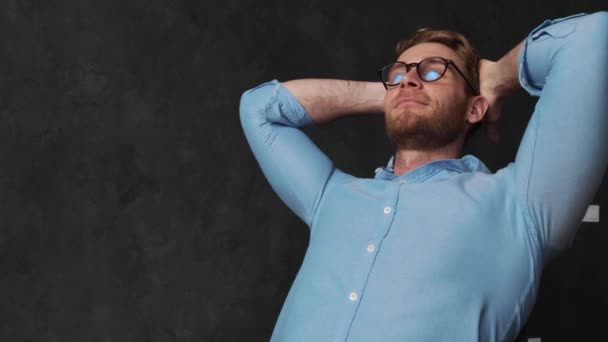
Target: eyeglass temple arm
463 76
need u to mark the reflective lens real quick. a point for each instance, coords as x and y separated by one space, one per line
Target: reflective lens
393 73
431 69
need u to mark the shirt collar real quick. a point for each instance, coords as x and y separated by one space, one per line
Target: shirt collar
467 163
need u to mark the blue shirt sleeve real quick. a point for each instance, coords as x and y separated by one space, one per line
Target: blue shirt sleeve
564 152
297 170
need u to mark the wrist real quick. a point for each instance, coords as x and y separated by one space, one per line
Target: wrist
507 72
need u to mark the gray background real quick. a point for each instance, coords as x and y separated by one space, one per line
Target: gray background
131 208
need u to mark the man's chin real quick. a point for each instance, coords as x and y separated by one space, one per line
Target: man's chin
404 119
415 132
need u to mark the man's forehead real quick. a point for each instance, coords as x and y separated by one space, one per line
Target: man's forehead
423 50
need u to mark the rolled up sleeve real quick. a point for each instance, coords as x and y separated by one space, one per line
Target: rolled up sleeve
296 169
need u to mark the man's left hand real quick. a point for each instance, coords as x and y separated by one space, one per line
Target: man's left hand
489 89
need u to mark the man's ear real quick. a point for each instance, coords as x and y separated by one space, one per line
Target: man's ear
478 106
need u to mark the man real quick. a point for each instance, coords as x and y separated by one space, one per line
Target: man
435 247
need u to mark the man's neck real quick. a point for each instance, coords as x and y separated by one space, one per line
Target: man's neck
407 160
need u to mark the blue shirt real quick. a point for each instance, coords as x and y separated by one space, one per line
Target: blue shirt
448 251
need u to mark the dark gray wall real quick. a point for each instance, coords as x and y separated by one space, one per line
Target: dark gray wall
131 208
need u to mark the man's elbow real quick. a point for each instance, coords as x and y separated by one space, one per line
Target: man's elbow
254 102
594 30
249 105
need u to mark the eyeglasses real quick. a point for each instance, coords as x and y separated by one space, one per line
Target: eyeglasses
429 69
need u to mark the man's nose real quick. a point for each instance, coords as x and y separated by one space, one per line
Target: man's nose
410 79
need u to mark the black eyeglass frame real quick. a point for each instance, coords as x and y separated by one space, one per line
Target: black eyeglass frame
408 66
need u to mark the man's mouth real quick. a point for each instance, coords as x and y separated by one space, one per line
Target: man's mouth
409 100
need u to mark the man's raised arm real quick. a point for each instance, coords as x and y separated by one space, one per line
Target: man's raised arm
564 152
272 115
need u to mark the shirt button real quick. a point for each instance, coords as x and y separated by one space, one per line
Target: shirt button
353 296
387 210
371 248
